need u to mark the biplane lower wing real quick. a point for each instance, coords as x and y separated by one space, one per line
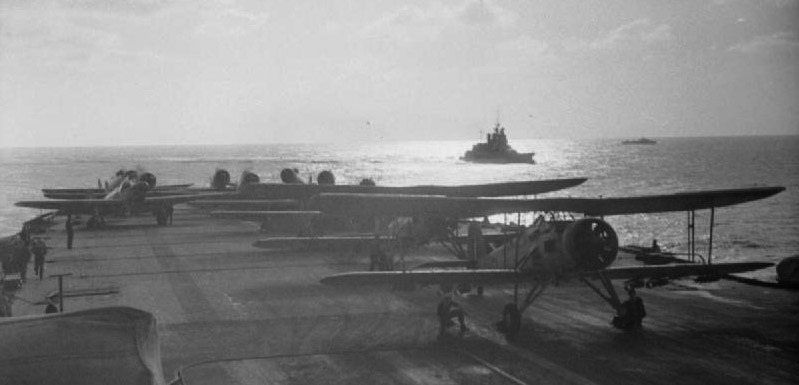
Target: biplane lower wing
457 207
428 277
319 242
247 204
488 276
263 215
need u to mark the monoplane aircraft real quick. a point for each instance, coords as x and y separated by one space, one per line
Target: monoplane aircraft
550 250
132 195
113 183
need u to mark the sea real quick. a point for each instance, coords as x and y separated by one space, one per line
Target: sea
762 230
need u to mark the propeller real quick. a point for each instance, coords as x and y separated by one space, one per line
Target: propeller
592 243
148 178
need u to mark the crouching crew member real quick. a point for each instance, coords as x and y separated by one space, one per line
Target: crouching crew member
632 312
447 310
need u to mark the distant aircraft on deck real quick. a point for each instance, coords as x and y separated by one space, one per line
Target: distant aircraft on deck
113 183
133 194
551 250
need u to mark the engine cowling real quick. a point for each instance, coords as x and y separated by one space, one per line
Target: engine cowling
137 192
326 177
290 176
591 243
148 178
132 174
248 177
220 180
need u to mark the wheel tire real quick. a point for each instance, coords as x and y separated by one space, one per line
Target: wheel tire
480 291
511 320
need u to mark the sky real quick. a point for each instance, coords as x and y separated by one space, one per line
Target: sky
143 72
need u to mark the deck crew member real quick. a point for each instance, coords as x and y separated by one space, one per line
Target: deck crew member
22 256
70 232
379 259
39 250
447 310
655 246
632 312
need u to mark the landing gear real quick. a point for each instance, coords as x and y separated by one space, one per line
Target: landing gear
629 313
512 313
511 321
161 217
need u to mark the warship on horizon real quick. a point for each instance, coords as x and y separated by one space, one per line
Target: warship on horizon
496 150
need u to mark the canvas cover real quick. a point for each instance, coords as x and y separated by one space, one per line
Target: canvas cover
111 345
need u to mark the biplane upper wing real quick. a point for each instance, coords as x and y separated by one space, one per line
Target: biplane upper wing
305 191
489 276
458 207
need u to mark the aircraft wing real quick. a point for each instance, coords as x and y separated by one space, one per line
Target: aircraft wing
457 207
90 206
318 242
246 204
152 202
427 277
304 191
489 276
681 270
73 206
263 215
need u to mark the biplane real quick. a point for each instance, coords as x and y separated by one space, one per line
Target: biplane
552 249
313 222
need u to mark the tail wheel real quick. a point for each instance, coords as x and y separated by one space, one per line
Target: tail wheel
511 320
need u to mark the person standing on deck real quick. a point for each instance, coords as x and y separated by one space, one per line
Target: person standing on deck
22 255
39 250
70 232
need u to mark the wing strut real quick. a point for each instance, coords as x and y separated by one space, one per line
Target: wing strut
692 234
710 242
611 298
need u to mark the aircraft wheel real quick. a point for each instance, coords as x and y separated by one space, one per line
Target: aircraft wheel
480 291
511 321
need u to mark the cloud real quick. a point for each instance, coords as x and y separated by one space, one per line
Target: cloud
637 30
764 43
48 35
640 30
130 7
226 20
411 23
485 13
525 46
